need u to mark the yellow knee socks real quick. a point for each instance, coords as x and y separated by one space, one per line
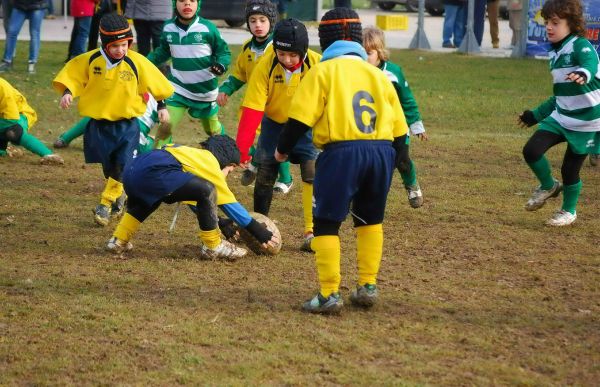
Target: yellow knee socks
112 191
369 247
126 228
211 238
327 255
307 204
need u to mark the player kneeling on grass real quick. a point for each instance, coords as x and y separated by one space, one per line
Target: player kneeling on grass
16 117
358 121
184 174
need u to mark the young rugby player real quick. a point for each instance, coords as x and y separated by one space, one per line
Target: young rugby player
571 115
199 55
110 83
377 55
356 118
260 19
270 90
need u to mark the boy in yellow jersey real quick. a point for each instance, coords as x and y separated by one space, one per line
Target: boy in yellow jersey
358 122
110 83
16 117
180 173
260 19
266 103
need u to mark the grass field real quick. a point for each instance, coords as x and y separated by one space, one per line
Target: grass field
474 290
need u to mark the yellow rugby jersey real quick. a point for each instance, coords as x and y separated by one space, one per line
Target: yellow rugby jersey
202 163
112 92
271 86
13 104
345 99
247 60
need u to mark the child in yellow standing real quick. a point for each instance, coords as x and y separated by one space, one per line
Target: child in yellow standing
260 19
110 83
270 90
357 120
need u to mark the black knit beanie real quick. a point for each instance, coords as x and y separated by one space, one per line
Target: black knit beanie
261 7
114 28
291 35
339 24
223 148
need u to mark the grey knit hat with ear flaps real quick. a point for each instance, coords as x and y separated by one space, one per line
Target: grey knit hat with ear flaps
113 29
223 148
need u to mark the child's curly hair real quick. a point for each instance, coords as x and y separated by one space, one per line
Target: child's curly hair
571 10
374 40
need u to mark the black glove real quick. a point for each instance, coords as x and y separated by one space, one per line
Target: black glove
259 231
528 118
217 69
228 228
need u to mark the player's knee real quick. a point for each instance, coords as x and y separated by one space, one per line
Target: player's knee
266 175
403 165
14 134
307 171
204 190
360 221
326 227
531 153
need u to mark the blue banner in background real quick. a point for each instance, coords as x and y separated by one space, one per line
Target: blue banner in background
538 45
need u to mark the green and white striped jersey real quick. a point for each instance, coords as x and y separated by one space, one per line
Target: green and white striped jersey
193 49
575 107
411 111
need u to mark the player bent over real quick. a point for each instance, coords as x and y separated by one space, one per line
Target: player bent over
181 173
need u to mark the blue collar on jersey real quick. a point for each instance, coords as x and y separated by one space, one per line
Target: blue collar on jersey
343 47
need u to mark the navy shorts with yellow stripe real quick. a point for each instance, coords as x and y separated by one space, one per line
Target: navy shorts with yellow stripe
111 143
357 172
304 150
153 176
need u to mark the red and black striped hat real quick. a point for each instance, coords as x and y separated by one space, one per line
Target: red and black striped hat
114 28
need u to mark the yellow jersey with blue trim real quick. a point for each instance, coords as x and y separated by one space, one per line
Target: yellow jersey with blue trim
346 99
245 63
13 104
112 91
202 163
271 86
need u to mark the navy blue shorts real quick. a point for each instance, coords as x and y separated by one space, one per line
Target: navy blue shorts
111 143
357 172
153 176
304 150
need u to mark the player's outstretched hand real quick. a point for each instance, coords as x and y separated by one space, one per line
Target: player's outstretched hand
66 100
422 136
527 119
163 116
222 99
